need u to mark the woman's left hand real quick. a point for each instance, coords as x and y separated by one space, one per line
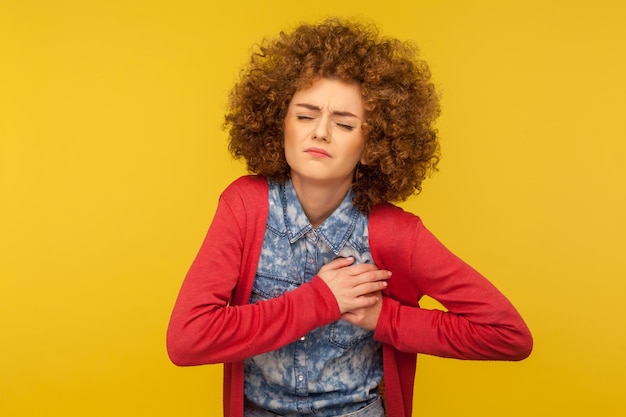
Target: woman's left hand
366 317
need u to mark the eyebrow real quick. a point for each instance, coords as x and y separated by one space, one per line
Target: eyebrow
316 108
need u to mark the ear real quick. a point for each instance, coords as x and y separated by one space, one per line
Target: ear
363 160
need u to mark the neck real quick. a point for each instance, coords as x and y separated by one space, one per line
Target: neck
319 200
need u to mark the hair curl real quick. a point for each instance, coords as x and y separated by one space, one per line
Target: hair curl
400 101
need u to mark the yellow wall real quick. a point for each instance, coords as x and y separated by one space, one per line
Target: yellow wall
112 158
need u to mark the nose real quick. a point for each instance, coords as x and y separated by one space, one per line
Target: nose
322 130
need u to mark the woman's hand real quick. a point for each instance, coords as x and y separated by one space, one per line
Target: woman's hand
366 317
357 288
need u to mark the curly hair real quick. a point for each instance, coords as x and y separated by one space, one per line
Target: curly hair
400 101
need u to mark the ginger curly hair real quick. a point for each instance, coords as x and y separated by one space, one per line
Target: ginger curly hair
401 105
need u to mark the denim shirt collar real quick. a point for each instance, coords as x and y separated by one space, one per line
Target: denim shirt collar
335 230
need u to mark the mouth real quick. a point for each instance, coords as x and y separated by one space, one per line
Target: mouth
317 152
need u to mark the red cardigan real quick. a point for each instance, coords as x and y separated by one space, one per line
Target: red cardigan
212 321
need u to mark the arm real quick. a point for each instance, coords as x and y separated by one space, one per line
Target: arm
480 323
206 326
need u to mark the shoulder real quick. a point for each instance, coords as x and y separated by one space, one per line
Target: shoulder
248 183
249 189
244 202
393 233
386 217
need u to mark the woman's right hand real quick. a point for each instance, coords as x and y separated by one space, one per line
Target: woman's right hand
354 286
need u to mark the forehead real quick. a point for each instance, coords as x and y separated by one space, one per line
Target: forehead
332 94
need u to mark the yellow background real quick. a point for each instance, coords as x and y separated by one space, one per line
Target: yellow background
112 158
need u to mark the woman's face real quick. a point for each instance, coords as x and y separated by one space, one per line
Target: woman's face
324 138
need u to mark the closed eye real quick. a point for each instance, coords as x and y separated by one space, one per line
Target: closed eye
345 126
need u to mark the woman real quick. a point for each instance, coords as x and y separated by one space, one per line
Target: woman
307 284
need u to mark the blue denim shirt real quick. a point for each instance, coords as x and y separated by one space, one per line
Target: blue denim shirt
335 369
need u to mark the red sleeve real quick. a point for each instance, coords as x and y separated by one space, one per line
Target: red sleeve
206 326
480 322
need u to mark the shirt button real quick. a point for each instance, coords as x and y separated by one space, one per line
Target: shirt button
300 378
309 259
302 338
276 293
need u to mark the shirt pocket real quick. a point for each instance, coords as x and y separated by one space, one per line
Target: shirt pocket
346 335
266 287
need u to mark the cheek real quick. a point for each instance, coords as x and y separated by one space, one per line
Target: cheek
288 135
358 148
288 143
289 131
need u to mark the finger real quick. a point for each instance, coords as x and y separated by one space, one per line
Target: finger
364 301
371 276
338 263
357 269
369 288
